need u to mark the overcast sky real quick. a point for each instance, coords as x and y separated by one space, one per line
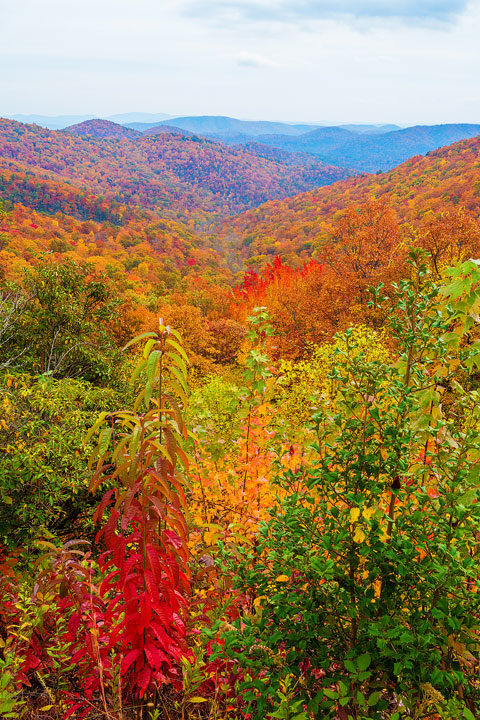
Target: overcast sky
402 61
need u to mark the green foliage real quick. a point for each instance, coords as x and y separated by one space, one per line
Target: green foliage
63 327
305 382
213 413
256 363
43 463
9 702
219 408
364 579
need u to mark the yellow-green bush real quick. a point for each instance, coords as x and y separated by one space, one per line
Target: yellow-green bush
302 384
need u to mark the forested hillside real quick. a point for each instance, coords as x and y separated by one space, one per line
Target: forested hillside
184 178
101 129
418 191
371 152
360 148
239 453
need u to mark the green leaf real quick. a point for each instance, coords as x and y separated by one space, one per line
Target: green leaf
138 338
174 357
95 427
179 349
180 378
350 666
104 441
152 362
373 699
360 699
363 661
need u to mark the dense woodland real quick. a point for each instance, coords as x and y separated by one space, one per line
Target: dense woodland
239 440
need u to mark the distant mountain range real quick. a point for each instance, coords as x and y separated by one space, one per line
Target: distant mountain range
359 148
58 122
372 152
213 124
447 181
231 131
206 125
354 147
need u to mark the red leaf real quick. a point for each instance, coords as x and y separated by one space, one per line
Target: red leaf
154 657
129 659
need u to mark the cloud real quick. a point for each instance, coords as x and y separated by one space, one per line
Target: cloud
257 61
432 11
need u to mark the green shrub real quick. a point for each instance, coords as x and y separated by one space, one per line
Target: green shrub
362 588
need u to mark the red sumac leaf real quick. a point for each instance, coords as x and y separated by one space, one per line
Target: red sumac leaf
129 658
154 563
153 656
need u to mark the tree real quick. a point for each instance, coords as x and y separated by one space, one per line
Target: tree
449 237
63 327
363 246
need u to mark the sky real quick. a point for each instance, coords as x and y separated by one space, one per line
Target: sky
384 61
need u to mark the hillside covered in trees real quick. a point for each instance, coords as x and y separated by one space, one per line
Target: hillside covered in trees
239 440
358 147
182 177
418 191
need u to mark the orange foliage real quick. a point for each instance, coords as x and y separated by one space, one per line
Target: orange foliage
238 491
310 303
298 227
144 255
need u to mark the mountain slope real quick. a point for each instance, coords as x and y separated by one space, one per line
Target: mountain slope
46 192
213 124
445 180
372 152
135 247
158 129
185 177
100 129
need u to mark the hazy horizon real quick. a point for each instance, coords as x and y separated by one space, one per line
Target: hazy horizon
168 116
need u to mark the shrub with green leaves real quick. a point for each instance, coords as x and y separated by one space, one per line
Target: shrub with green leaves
303 383
213 415
57 322
43 462
362 589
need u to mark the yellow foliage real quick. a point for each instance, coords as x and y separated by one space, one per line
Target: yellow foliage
359 535
354 514
305 382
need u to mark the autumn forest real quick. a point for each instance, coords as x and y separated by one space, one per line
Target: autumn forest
240 415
